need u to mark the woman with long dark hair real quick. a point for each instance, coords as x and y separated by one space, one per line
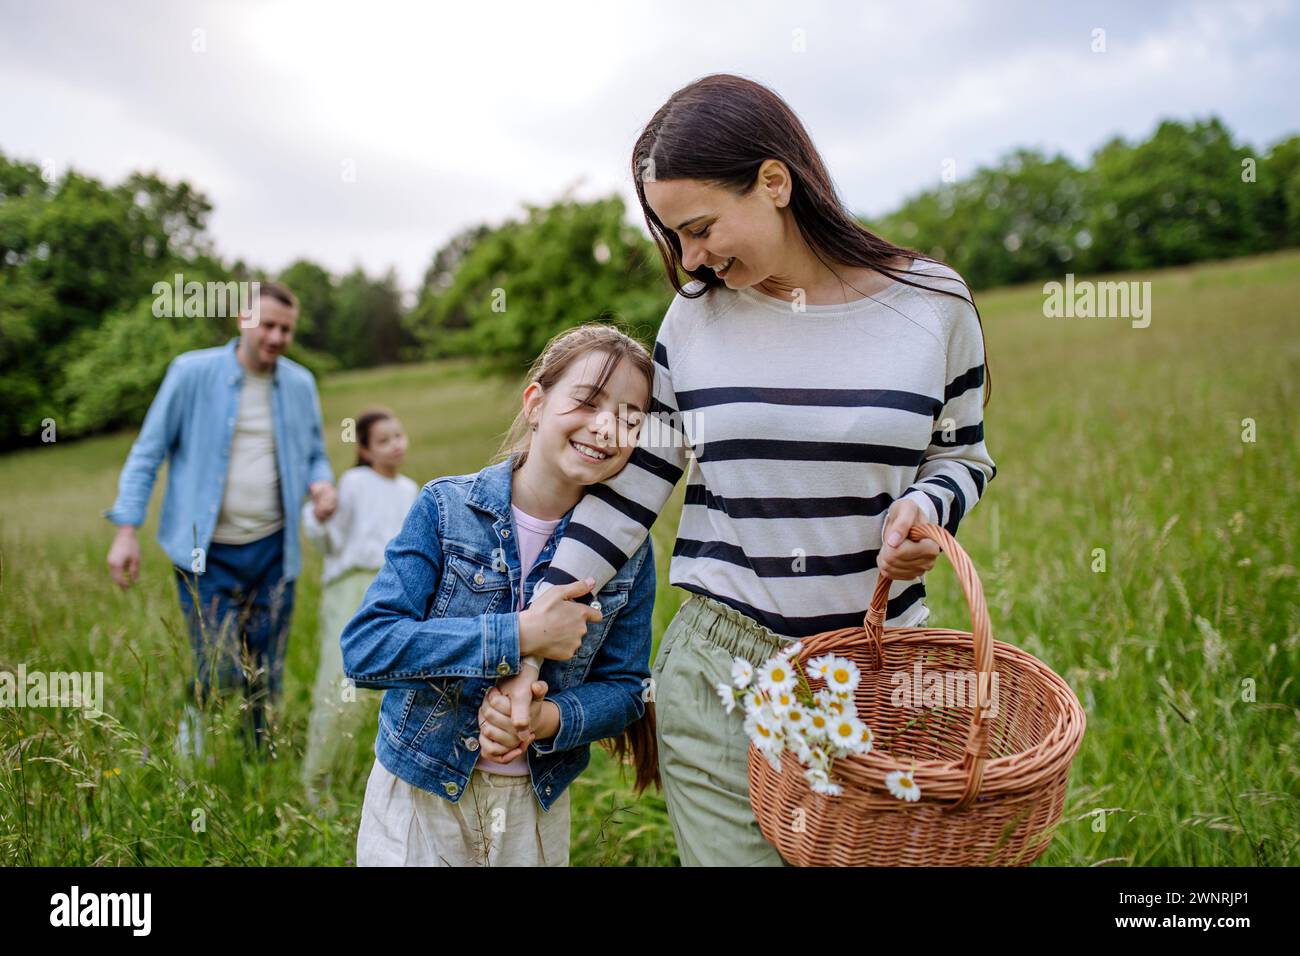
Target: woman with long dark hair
822 390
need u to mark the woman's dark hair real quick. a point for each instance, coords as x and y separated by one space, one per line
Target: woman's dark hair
720 130
364 424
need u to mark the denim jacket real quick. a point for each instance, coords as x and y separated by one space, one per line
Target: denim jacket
191 421
437 628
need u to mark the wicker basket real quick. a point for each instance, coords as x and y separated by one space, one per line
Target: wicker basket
992 780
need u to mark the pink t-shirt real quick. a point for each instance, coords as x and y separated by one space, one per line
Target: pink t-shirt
531 535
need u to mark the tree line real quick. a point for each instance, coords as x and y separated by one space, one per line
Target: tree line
82 343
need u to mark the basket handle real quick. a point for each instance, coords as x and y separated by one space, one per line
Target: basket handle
977 738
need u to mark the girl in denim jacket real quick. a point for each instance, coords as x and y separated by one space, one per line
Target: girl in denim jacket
458 780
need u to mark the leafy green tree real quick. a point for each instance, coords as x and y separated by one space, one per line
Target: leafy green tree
1022 218
1279 181
565 264
1177 197
314 288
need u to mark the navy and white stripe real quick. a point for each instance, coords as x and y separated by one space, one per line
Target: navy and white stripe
797 431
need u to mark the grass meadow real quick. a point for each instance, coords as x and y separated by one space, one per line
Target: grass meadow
1184 650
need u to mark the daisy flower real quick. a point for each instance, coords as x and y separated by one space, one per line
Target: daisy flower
781 701
763 731
776 674
902 784
798 745
819 759
833 704
819 666
864 742
728 696
742 672
819 724
820 782
844 732
795 717
842 676
755 700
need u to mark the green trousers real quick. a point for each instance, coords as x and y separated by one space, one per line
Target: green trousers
703 750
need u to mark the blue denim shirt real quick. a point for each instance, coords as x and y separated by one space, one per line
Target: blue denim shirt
192 420
438 628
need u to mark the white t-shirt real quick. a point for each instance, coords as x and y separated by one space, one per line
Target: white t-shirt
370 512
250 503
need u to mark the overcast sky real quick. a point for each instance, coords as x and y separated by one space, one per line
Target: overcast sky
446 115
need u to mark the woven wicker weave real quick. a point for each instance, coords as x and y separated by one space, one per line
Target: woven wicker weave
992 785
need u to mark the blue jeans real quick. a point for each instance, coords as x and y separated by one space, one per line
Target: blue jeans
239 640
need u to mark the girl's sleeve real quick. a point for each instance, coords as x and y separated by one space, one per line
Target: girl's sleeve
957 466
614 517
329 536
392 641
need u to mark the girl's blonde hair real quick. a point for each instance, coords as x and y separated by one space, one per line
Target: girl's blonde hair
637 742
561 352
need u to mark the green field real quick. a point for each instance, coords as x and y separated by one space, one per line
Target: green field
1183 651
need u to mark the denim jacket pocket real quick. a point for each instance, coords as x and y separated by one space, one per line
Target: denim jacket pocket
471 587
438 710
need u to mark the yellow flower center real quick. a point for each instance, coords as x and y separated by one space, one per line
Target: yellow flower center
841 676
905 783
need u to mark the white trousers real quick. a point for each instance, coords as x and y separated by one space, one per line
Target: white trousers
498 822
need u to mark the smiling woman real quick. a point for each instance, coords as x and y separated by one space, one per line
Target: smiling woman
840 378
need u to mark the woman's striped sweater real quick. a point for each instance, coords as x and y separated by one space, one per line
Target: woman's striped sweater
797 430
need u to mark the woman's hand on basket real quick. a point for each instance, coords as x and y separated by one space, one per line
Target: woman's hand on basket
900 558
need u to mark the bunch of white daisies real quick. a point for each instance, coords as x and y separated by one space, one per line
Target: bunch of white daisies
782 712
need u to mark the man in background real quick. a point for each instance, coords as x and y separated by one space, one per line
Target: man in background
240 427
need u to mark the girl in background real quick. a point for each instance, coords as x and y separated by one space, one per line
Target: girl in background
373 499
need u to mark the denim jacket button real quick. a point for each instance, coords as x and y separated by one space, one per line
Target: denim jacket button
548 790
505 532
478 577
451 788
471 744
503 668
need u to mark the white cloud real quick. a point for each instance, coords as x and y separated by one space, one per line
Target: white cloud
457 114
